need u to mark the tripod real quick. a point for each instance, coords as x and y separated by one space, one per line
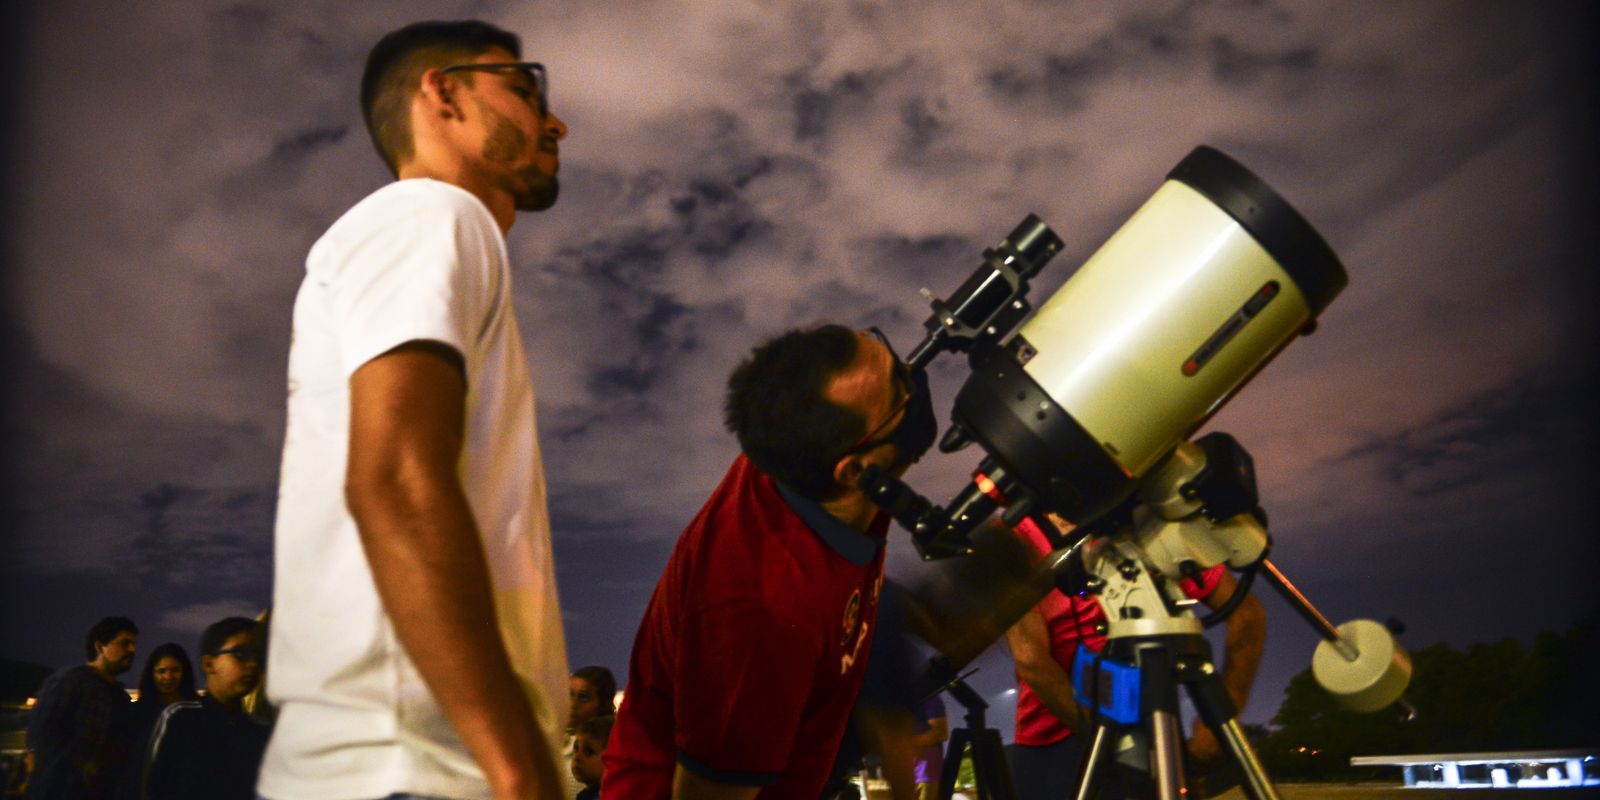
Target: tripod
1195 510
1133 687
988 754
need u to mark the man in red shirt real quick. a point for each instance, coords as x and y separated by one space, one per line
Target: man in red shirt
753 647
1046 753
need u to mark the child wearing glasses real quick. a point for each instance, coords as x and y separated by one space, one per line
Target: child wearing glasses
210 747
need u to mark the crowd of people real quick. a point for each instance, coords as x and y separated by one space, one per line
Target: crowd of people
178 739
174 738
417 649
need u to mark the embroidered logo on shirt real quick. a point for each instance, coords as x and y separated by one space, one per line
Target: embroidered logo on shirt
848 660
852 616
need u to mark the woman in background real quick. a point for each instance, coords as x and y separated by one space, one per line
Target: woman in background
168 677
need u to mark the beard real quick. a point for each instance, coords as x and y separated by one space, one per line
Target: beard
532 188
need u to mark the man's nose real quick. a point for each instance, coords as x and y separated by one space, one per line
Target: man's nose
556 127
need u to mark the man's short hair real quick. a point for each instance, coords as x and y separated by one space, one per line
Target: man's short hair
394 71
104 631
777 408
221 631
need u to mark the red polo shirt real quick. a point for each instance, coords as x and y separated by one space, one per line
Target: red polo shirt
752 649
1070 620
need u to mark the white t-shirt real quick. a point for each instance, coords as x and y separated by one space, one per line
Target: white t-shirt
416 260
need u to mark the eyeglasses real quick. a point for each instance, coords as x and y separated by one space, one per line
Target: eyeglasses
247 654
903 374
533 69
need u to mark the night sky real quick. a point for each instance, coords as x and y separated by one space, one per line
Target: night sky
738 169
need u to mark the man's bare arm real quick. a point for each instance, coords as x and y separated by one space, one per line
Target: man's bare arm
1246 635
891 735
688 786
407 412
1029 640
938 731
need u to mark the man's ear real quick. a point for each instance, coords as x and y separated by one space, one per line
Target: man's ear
847 470
439 91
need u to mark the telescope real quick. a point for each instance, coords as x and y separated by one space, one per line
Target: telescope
1084 411
1208 281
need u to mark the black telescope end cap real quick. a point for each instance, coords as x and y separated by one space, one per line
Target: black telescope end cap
1287 236
1039 444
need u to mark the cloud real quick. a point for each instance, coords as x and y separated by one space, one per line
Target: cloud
736 170
722 190
167 500
196 618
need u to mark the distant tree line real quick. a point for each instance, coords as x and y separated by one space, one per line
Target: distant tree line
1497 696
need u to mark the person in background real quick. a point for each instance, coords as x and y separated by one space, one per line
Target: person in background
210 748
935 729
168 677
255 703
592 737
591 692
1047 751
78 730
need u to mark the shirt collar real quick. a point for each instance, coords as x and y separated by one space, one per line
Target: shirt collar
854 546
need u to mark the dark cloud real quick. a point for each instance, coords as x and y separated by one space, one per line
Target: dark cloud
924 123
1237 63
1541 422
196 537
88 454
655 340
818 108
297 145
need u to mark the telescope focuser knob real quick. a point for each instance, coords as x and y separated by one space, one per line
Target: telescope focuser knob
955 438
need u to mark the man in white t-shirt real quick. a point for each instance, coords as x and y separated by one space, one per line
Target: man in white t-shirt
416 645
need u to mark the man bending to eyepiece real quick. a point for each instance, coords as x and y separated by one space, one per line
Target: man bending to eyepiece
416 646
753 647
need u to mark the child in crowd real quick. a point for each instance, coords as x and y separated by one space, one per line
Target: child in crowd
592 737
210 748
590 692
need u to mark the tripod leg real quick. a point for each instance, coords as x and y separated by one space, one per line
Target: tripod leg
1093 757
1159 687
1216 709
989 767
954 752
1166 756
1256 783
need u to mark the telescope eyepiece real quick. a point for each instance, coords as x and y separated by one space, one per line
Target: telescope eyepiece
1033 243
